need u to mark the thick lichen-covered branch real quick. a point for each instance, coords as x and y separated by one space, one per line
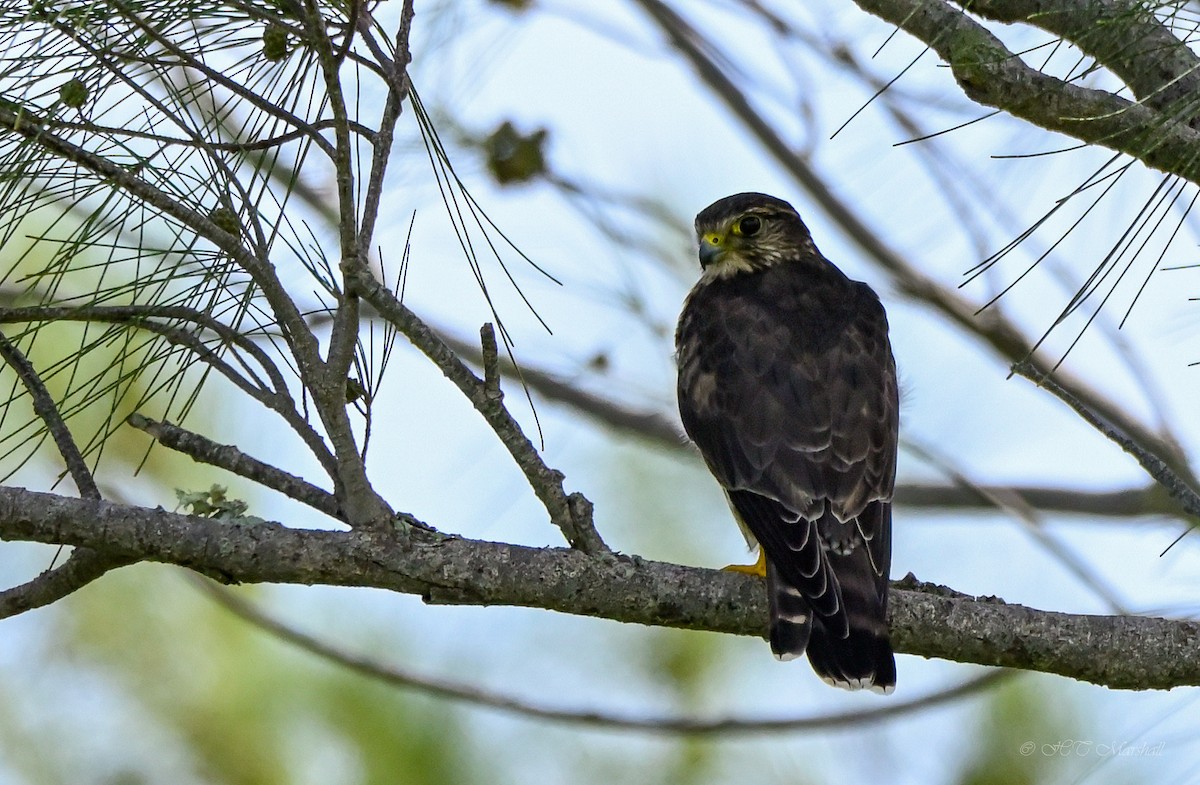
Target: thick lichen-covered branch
1119 652
1125 36
990 74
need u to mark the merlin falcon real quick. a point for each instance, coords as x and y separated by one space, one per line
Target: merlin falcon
788 387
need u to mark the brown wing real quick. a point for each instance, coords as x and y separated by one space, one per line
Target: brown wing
788 387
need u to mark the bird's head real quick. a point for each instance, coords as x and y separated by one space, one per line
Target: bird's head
747 232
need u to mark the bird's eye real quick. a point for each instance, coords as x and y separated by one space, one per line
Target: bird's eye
749 226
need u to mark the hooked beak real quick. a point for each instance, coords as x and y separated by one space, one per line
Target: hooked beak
712 248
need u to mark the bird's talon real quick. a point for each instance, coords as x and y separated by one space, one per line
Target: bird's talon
759 567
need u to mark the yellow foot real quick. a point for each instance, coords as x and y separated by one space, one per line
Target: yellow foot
759 567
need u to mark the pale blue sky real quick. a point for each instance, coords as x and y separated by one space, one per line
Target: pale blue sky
624 112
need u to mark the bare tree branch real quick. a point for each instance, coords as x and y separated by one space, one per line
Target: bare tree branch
1123 652
1176 486
1125 36
571 513
661 430
81 568
992 75
47 409
83 565
1099 505
231 459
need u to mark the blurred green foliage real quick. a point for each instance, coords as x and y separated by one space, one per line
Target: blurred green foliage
253 710
99 374
1018 721
250 710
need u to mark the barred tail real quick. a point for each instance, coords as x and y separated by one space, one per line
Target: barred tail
791 617
863 660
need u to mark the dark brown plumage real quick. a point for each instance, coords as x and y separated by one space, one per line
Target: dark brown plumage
788 387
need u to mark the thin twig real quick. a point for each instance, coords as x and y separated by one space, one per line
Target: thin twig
644 424
137 314
1154 465
1120 504
396 69
277 398
83 566
491 362
509 704
46 408
570 512
231 459
663 431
